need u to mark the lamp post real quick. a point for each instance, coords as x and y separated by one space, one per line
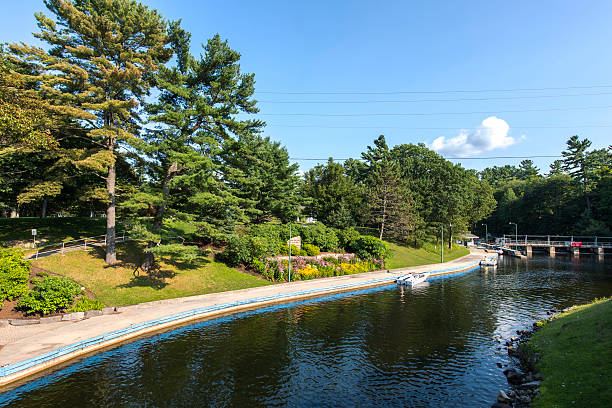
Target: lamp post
442 243
515 233
486 233
289 251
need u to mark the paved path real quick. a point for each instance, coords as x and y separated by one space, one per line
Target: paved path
25 350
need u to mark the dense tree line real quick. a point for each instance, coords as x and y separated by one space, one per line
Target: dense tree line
574 197
407 193
116 115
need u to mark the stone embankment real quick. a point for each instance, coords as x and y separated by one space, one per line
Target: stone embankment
524 381
25 350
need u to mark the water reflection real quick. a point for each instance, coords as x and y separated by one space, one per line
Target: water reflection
431 345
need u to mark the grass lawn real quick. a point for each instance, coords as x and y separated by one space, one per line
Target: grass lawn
576 357
402 257
56 229
117 285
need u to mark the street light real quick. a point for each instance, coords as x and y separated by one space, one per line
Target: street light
486 233
442 243
515 234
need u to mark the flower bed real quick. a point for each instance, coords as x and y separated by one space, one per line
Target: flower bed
304 268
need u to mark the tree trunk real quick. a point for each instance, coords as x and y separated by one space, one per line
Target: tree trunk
159 216
111 251
43 210
384 213
450 237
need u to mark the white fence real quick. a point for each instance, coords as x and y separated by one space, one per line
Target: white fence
75 245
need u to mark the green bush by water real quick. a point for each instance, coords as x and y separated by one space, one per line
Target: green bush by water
84 304
14 274
49 295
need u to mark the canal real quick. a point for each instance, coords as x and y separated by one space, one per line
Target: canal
434 345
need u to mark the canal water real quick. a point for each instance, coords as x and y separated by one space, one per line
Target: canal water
431 346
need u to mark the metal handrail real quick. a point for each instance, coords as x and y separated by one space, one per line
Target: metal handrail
61 247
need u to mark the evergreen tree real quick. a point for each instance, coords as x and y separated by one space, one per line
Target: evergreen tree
261 176
556 168
102 55
577 163
389 199
527 170
335 198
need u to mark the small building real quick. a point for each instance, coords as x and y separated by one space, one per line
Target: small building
469 239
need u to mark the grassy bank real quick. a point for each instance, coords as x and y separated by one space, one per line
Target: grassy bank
402 257
50 229
576 357
118 285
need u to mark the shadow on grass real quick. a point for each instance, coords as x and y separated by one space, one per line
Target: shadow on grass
156 279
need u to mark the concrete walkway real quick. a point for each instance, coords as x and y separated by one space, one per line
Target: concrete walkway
25 350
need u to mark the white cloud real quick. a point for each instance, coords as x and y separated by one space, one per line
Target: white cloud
491 134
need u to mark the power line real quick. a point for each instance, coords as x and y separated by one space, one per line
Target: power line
437 91
433 128
437 113
447 158
440 100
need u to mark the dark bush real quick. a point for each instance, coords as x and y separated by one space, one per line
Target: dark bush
367 247
319 235
347 238
236 252
49 295
311 250
14 274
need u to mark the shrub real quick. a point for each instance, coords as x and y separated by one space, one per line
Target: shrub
49 295
308 272
14 274
84 304
262 247
319 235
367 247
236 252
311 250
295 251
348 238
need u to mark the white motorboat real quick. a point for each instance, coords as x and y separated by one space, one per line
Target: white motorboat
412 279
488 262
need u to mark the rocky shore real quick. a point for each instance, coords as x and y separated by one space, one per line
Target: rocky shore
523 381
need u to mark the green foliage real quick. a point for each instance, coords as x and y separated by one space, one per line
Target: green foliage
311 250
84 304
236 251
335 198
347 238
49 295
367 247
320 235
14 274
295 251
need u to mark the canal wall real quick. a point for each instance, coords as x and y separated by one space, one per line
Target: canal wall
27 350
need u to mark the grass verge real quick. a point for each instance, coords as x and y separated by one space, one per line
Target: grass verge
403 257
118 285
576 357
56 229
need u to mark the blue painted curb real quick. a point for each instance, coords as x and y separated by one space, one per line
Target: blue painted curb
44 358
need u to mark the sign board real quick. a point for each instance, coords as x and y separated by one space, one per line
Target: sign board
576 244
297 241
33 231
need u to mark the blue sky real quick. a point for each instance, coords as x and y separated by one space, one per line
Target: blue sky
392 59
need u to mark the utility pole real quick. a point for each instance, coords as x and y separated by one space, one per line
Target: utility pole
486 233
289 251
442 243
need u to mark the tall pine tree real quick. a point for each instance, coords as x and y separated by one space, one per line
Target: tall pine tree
100 62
